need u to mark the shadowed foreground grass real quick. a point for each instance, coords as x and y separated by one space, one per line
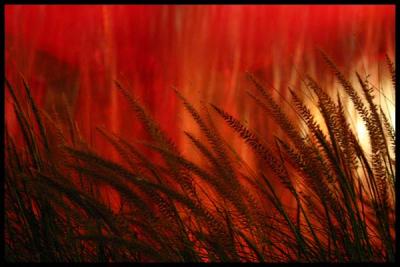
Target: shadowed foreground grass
338 203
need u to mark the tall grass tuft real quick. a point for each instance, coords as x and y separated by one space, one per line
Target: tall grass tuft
321 196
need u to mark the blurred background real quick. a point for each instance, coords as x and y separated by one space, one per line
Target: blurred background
204 51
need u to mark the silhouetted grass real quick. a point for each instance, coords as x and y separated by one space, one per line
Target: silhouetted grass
338 203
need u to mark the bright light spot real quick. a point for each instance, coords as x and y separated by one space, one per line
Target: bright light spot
362 134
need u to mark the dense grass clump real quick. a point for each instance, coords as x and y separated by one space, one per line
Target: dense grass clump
335 202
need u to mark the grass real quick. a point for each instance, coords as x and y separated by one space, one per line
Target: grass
338 203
